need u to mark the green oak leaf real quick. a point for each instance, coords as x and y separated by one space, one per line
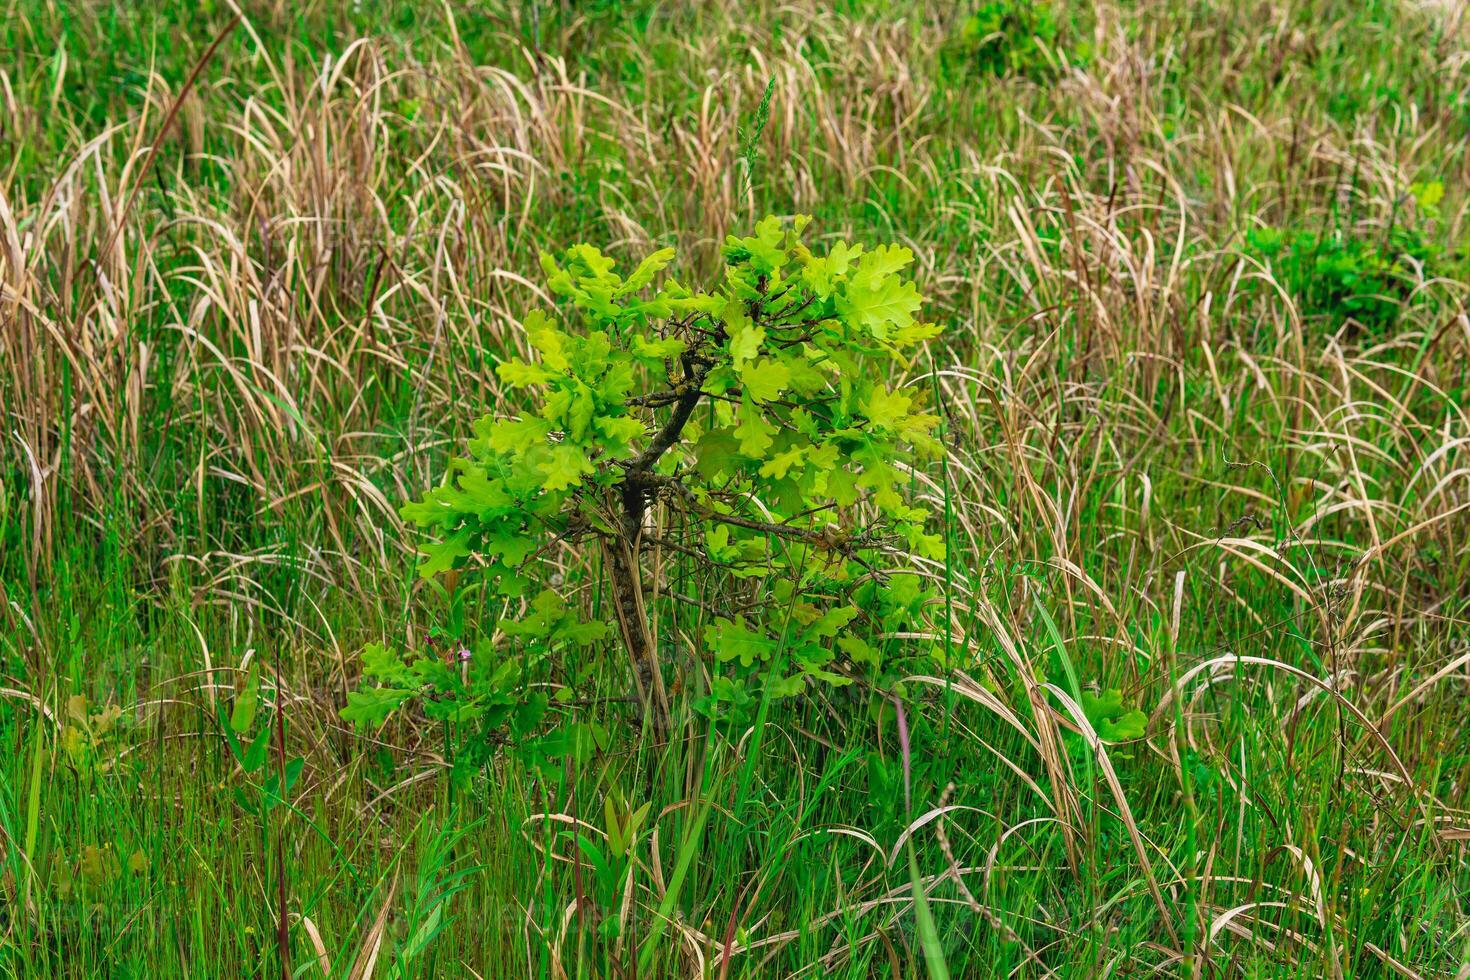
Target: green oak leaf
1126 727
1111 719
564 467
780 464
765 379
370 706
519 374
885 409
745 342
647 269
881 305
733 640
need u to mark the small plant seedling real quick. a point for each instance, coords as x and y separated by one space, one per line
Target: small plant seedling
252 753
1111 718
760 433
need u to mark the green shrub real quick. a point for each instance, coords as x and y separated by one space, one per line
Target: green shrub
1341 277
1009 37
755 422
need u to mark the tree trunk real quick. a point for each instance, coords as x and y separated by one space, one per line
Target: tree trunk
625 551
627 588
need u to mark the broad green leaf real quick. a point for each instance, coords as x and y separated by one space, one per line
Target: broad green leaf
733 640
547 340
580 412
882 262
879 306
582 634
885 409
718 451
834 620
859 650
780 464
745 342
254 756
384 664
786 687
755 434
657 350
1124 728
717 543
372 705
440 556
1098 709
564 467
821 274
519 374
1111 719
828 677
765 379
915 333
647 269
518 435
620 428
509 545
249 700
590 266
763 250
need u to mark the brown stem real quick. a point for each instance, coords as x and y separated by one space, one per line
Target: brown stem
666 437
627 585
639 483
625 550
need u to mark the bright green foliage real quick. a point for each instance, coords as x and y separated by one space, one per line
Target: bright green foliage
479 684
753 426
1111 719
1365 279
1010 37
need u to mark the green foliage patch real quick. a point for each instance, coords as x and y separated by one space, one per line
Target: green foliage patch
1014 37
759 421
1347 277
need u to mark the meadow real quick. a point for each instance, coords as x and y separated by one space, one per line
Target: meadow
1083 590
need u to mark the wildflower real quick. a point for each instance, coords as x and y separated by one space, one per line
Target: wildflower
464 654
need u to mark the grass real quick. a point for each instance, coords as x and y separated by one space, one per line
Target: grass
242 319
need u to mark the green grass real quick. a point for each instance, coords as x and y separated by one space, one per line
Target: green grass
1169 447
